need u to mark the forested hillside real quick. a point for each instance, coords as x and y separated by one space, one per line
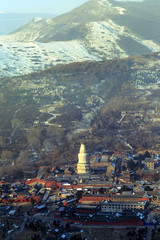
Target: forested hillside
109 104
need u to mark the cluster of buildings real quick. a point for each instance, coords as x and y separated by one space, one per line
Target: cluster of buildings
109 188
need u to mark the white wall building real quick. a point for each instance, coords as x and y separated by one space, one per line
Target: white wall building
120 206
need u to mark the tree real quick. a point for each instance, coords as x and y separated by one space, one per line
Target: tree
6 155
124 168
79 194
2 98
22 159
18 173
32 201
1 141
53 131
147 188
147 154
125 188
101 190
67 226
76 237
131 164
34 137
16 123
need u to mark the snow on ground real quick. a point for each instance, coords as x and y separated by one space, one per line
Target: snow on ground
149 64
122 31
25 57
150 44
120 10
106 3
102 37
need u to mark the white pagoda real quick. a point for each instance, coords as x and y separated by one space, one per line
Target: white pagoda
83 166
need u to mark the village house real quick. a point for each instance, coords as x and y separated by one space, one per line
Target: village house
149 163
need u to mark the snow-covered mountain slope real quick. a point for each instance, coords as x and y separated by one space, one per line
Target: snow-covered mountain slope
104 38
18 58
90 32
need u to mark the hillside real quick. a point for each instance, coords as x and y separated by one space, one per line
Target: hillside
111 104
9 22
73 25
98 30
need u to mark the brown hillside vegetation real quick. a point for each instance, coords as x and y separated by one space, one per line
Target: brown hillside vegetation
45 115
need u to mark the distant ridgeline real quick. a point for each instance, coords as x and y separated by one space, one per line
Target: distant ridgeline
152 1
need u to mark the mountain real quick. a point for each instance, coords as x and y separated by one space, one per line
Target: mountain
109 104
133 16
9 22
97 30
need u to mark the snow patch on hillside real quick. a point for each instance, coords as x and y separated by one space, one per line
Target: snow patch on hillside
102 39
37 19
20 54
150 45
120 10
106 3
23 58
122 31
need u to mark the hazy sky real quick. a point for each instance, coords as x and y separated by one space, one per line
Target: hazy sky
41 6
